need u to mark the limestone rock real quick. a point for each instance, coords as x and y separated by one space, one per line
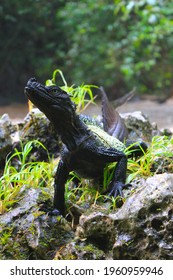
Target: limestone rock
79 250
141 229
5 137
144 224
97 227
139 126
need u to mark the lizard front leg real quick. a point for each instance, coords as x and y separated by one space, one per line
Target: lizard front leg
95 154
59 187
119 178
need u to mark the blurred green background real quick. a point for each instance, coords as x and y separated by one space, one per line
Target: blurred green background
116 44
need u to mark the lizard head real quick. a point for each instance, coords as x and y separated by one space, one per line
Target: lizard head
54 102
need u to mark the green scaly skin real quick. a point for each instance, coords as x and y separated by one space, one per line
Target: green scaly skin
97 129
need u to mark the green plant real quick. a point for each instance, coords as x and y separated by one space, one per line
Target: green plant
88 193
78 94
84 193
157 159
29 174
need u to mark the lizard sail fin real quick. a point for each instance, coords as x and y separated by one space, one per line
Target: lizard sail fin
112 122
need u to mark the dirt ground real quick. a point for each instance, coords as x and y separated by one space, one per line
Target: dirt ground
162 114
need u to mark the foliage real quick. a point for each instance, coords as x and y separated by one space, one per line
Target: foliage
117 44
87 194
131 44
157 159
24 173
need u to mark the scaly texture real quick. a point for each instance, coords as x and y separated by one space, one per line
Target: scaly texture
87 148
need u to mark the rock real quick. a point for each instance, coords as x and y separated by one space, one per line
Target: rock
37 127
28 232
5 137
97 227
139 126
144 224
78 250
141 229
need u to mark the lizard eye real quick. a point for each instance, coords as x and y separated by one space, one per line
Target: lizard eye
54 90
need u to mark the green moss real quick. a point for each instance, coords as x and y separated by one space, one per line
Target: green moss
90 249
83 251
13 244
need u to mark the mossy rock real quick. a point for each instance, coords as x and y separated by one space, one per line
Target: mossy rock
29 232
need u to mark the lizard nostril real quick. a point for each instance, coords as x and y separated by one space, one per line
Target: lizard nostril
31 80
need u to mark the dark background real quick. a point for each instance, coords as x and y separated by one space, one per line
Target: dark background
116 44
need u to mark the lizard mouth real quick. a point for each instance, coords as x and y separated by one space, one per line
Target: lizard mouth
51 100
39 95
33 87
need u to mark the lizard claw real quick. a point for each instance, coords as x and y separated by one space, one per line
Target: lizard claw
55 212
117 189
